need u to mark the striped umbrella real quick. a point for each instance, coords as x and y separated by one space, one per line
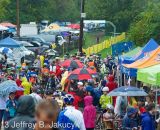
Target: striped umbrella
82 74
72 63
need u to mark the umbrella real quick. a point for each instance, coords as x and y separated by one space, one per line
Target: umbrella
2 28
74 26
72 63
127 91
7 87
51 52
5 50
7 24
82 74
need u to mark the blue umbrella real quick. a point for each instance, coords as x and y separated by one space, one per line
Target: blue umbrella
127 91
7 87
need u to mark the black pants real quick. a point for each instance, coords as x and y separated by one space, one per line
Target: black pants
89 128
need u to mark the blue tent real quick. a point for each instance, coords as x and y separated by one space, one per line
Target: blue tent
150 46
10 43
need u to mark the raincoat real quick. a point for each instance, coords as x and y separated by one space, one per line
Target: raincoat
25 114
104 100
26 85
111 84
89 113
129 123
148 122
121 106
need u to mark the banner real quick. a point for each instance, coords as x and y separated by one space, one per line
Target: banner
105 44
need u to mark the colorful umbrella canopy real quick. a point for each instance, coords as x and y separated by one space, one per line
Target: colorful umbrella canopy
82 74
7 87
74 26
2 28
127 91
72 63
7 24
5 50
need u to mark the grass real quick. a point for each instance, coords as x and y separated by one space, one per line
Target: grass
91 38
105 52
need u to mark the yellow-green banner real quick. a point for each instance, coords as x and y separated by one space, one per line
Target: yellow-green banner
105 44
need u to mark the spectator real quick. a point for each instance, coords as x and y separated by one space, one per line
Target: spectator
25 113
26 85
89 113
130 120
11 106
148 121
111 84
105 99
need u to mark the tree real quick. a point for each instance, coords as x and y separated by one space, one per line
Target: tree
3 6
147 25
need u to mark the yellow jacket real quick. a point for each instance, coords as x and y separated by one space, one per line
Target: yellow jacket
26 85
104 100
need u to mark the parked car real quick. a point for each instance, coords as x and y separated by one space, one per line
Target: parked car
35 46
31 39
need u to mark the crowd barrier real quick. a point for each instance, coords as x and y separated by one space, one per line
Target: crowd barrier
106 44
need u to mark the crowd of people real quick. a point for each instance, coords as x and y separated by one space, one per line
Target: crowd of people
50 101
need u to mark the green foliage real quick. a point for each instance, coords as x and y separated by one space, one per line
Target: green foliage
146 25
3 6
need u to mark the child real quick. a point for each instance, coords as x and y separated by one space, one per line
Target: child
11 106
108 117
89 113
105 99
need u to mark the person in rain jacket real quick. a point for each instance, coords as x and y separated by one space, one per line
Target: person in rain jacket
148 121
111 84
130 120
105 99
25 115
89 113
11 106
121 106
26 85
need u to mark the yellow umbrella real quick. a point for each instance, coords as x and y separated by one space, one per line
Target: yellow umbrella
52 27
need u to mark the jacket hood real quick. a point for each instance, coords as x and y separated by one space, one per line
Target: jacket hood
144 115
88 100
24 79
111 78
131 111
26 106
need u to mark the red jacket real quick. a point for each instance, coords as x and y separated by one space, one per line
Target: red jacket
112 85
18 93
58 71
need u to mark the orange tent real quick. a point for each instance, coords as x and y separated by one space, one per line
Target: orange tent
150 59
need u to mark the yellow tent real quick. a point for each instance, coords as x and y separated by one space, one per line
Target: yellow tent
52 27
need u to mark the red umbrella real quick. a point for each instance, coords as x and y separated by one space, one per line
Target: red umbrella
82 74
72 63
74 26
